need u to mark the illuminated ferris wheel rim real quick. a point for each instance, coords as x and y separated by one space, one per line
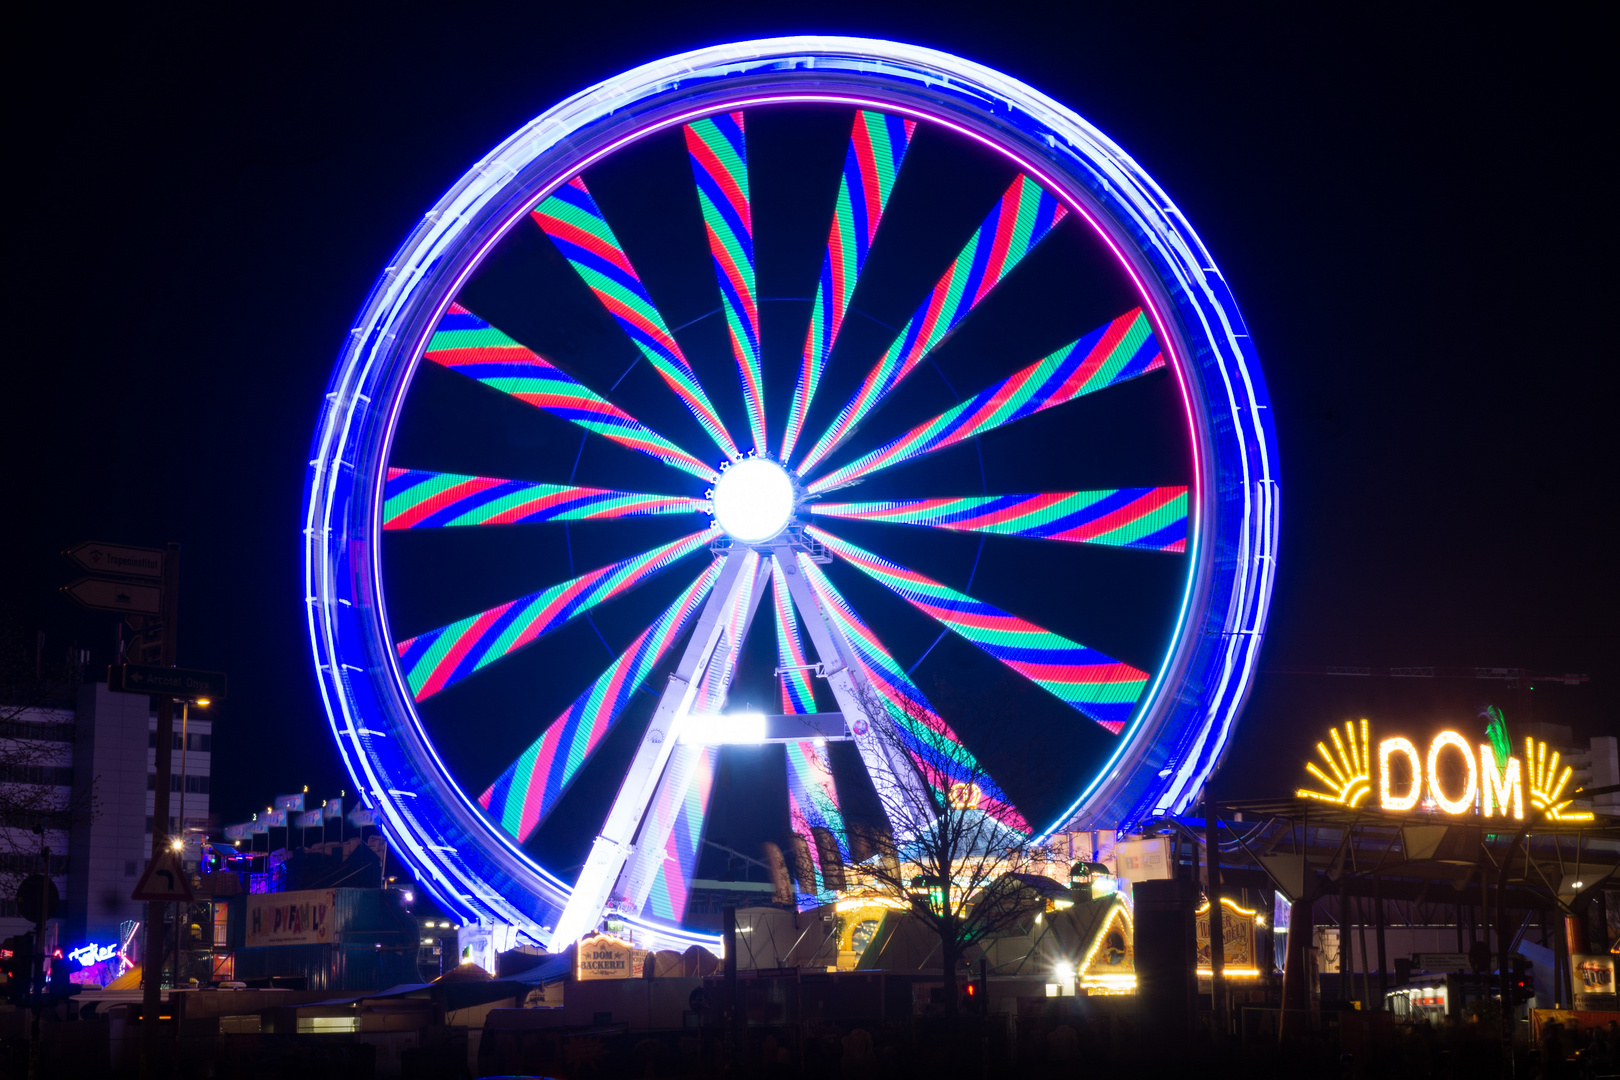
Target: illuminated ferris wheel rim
397 767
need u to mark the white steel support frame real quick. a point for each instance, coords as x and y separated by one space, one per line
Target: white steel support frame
612 847
893 776
626 856
636 879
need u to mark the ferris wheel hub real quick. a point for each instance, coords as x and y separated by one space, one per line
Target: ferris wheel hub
753 500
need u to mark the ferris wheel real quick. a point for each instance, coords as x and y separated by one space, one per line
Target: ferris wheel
740 392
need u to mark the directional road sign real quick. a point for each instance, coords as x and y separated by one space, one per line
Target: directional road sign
118 559
164 881
169 681
99 594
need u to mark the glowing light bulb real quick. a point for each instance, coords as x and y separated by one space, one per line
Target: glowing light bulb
753 500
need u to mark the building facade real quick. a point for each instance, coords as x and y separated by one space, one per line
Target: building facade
87 775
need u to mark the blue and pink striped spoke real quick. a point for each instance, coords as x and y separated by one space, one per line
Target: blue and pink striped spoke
877 146
812 793
525 793
466 344
1088 681
576 225
1019 221
813 803
438 658
1150 519
936 750
418 499
1108 356
797 697
673 884
720 165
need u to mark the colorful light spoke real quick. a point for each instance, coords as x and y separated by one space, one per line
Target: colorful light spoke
813 802
812 793
576 225
417 499
1153 519
877 146
673 883
797 697
1109 355
467 344
920 726
1097 685
1023 216
434 660
521 798
720 165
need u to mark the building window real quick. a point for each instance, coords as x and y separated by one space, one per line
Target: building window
59 775
29 729
197 785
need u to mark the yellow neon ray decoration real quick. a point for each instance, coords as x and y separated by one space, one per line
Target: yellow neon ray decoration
1350 763
1547 784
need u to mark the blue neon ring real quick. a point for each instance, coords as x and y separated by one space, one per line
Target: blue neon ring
472 868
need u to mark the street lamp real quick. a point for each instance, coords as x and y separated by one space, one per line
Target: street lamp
185 739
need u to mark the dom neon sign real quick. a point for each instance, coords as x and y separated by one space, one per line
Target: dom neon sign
1489 786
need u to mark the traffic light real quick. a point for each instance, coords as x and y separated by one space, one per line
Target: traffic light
17 966
974 1000
1521 980
61 985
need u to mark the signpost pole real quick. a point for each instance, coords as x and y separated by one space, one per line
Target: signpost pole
152 955
1217 916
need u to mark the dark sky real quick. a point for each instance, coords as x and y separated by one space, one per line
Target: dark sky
1410 210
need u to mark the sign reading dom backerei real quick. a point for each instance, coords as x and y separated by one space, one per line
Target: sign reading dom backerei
604 957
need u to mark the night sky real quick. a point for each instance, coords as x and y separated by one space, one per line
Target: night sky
1410 212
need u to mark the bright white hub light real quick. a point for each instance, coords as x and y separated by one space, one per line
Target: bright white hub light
753 500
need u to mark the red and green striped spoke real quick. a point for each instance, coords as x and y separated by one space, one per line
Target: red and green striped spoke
797 697
1097 685
525 793
919 725
434 660
468 345
418 499
877 146
1019 221
720 165
673 883
1109 355
576 225
1151 519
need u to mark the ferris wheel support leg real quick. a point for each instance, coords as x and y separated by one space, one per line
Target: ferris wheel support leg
892 775
612 846
635 881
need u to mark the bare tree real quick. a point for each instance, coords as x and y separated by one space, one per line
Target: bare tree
957 853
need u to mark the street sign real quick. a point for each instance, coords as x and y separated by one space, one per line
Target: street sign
1441 961
169 681
100 594
37 898
165 881
118 559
